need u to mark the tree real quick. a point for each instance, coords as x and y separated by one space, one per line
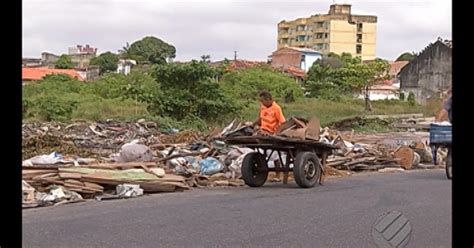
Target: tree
406 57
326 77
150 50
106 61
124 53
64 62
189 91
246 84
206 58
363 75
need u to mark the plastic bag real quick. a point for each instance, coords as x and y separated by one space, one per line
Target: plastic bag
210 166
52 158
135 152
129 190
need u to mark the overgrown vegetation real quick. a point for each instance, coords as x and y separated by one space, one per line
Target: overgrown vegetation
64 62
334 76
197 95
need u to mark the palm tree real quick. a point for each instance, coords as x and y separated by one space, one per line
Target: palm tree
125 52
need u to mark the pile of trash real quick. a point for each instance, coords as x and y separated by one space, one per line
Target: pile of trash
157 167
119 160
95 139
375 155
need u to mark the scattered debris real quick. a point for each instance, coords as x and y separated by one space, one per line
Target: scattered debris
129 190
119 160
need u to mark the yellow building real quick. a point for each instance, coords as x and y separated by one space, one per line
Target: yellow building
338 31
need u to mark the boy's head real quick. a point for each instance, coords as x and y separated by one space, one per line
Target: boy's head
266 98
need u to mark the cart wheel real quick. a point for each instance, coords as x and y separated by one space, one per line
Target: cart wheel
307 169
254 169
449 165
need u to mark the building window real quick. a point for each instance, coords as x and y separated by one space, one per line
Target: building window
319 35
301 38
358 49
301 27
319 46
319 24
359 38
359 27
325 35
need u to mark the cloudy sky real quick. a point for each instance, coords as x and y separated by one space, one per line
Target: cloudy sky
217 27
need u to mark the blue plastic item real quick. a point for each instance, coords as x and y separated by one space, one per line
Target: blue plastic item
441 134
210 166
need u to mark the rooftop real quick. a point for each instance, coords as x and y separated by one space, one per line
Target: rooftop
33 74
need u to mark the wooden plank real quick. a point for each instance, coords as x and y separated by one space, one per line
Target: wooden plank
314 128
74 182
122 165
83 188
50 180
45 175
93 186
66 175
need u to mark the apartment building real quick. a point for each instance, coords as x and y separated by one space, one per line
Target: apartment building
338 31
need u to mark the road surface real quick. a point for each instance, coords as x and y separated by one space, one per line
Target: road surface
340 213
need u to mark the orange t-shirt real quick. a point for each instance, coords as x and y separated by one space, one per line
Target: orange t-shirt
271 117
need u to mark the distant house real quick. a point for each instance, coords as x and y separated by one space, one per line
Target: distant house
302 58
125 66
387 89
430 73
34 74
89 73
31 62
48 59
79 49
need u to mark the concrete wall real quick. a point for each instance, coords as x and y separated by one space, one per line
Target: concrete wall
429 73
48 59
309 60
343 38
81 60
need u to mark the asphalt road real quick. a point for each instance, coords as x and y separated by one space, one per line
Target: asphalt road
340 213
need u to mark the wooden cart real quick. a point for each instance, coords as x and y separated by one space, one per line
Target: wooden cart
308 158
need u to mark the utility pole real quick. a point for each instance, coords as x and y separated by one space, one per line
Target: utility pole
235 55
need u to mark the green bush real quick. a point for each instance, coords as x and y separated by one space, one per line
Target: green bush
55 108
246 84
411 99
402 96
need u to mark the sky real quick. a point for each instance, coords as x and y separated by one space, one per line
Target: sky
218 27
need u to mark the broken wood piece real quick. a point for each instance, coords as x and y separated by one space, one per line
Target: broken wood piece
406 156
313 129
66 175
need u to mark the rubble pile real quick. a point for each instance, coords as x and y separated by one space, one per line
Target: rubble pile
152 162
97 140
110 160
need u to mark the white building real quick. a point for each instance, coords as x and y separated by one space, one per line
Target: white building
125 66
